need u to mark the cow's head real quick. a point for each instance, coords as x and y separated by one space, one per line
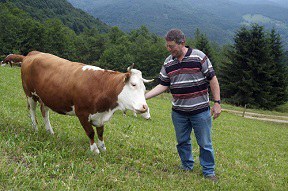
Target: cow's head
132 96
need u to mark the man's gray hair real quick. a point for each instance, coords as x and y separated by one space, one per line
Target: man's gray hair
175 35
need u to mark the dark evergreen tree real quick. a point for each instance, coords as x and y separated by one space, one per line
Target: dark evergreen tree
280 75
203 44
197 35
234 77
286 58
247 77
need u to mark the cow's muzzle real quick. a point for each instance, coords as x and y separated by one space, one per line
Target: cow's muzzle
143 109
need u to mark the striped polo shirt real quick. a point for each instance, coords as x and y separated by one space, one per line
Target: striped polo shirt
188 81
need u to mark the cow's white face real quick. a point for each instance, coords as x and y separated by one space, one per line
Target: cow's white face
132 96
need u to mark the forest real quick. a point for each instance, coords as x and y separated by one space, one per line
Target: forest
219 19
251 71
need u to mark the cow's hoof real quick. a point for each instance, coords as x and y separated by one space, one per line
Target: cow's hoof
102 148
94 148
50 131
34 126
101 145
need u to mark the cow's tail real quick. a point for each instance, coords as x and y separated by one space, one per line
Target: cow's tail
13 60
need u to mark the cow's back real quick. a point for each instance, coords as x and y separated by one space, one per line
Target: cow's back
49 77
62 84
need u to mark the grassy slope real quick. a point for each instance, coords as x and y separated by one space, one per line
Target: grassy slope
141 155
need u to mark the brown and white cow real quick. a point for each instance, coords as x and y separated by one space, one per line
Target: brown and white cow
89 92
13 59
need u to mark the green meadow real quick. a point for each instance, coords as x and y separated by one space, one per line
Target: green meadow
141 154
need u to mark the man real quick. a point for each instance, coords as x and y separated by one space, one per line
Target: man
186 72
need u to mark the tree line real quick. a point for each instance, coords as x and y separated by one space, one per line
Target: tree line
251 71
255 72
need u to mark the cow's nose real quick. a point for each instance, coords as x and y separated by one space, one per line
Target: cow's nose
143 109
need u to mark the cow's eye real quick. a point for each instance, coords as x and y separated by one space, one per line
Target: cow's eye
133 84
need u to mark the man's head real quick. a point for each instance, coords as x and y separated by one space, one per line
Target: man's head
175 42
175 35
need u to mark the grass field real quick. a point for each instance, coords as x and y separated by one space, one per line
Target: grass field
141 155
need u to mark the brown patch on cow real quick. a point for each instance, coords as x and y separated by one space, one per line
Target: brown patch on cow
101 89
61 84
87 127
100 132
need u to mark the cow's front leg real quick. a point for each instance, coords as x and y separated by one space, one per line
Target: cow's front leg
89 132
100 132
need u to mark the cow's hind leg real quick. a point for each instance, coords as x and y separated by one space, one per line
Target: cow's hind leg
89 132
45 114
32 108
100 132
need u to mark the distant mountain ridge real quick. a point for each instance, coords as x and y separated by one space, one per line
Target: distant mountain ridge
74 18
218 19
269 2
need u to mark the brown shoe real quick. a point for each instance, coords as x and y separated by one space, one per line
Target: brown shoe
212 178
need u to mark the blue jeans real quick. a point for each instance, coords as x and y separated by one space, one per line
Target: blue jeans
202 124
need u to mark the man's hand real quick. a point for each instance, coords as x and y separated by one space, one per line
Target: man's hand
216 110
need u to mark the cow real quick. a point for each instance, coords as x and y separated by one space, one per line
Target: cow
88 92
13 59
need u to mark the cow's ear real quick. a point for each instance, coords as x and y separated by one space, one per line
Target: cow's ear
127 77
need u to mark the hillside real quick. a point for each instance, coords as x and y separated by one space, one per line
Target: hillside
76 19
218 19
141 154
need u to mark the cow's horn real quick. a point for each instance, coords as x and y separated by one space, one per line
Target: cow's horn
130 67
147 81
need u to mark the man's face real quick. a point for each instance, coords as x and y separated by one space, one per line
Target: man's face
174 48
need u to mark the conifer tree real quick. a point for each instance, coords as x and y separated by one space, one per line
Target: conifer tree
203 44
197 35
234 77
280 75
250 74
